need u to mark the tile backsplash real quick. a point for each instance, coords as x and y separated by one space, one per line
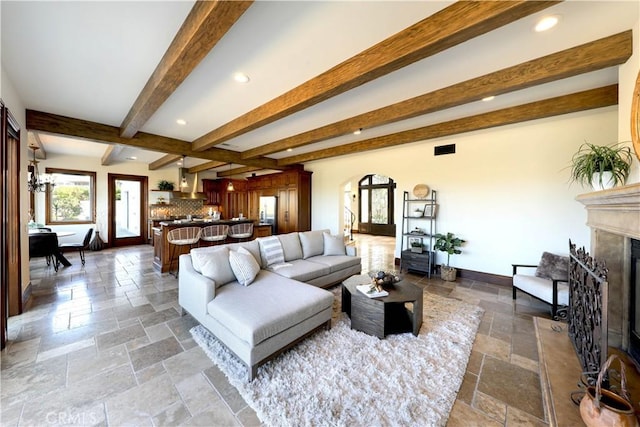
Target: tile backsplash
179 207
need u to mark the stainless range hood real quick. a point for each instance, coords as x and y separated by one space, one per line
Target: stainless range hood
190 191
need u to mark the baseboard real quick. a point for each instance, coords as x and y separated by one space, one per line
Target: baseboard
494 279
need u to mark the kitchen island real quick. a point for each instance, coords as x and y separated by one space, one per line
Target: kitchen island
162 248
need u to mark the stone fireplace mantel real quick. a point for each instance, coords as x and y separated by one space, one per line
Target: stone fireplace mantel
616 210
614 218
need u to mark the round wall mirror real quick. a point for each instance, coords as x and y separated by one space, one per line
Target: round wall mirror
635 117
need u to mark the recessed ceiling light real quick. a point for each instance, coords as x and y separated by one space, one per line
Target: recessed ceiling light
181 122
241 78
132 158
357 132
488 98
289 150
547 23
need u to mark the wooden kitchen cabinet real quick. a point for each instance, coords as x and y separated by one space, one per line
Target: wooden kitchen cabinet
293 189
288 210
211 188
157 246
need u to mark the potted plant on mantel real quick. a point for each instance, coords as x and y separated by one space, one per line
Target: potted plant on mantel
448 243
601 166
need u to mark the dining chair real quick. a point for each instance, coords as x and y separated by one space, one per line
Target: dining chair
44 245
80 247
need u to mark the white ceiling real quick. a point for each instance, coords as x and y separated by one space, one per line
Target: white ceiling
90 60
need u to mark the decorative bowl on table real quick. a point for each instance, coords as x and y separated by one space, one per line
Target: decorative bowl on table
384 279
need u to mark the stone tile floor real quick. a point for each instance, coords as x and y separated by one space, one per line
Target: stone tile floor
104 344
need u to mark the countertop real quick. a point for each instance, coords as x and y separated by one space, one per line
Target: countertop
202 222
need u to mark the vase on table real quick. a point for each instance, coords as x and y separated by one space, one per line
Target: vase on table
97 244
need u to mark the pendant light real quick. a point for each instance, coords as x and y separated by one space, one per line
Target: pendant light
38 183
230 184
183 181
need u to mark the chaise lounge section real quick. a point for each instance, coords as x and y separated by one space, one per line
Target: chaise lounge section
261 297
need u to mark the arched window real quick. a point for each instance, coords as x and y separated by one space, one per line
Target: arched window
376 205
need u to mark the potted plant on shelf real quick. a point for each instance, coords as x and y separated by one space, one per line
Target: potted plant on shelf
448 243
165 185
601 166
416 245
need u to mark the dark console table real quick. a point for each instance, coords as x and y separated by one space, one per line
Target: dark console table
385 315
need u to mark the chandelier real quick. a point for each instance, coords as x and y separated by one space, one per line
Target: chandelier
37 182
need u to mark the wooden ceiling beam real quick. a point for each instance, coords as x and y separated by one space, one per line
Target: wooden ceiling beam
580 101
84 129
449 27
163 161
205 166
203 28
236 171
110 154
596 55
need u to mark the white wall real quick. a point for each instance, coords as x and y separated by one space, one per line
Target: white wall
627 75
505 190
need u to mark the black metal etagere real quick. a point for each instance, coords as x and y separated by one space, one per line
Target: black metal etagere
418 225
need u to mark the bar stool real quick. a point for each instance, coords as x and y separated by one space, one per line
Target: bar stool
184 236
241 231
214 233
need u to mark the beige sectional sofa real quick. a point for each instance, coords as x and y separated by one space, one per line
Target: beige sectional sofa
262 296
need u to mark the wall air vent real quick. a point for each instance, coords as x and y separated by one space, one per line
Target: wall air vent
444 149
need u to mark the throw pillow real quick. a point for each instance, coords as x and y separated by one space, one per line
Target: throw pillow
271 250
333 245
215 265
291 246
244 266
553 266
312 243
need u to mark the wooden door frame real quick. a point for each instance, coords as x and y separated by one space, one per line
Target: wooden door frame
144 206
10 243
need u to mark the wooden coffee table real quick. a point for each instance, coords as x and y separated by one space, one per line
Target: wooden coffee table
399 312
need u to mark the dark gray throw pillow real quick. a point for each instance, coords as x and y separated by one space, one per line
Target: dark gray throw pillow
553 267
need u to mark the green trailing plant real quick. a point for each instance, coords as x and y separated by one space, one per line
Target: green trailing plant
593 159
448 243
165 185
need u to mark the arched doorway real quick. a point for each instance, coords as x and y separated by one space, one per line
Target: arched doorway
376 207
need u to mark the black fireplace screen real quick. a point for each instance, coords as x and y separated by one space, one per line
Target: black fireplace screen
588 293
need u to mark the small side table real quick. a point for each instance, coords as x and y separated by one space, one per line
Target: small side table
385 315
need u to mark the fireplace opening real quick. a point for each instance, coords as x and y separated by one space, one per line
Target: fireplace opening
634 306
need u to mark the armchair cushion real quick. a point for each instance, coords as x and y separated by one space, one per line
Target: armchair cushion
553 266
541 288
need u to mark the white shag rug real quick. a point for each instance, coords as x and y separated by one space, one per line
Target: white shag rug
343 377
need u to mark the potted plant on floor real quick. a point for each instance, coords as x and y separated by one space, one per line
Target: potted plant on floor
448 243
601 166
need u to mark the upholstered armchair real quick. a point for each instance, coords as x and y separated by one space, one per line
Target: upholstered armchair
549 282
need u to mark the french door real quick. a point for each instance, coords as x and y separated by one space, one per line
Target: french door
376 205
127 209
